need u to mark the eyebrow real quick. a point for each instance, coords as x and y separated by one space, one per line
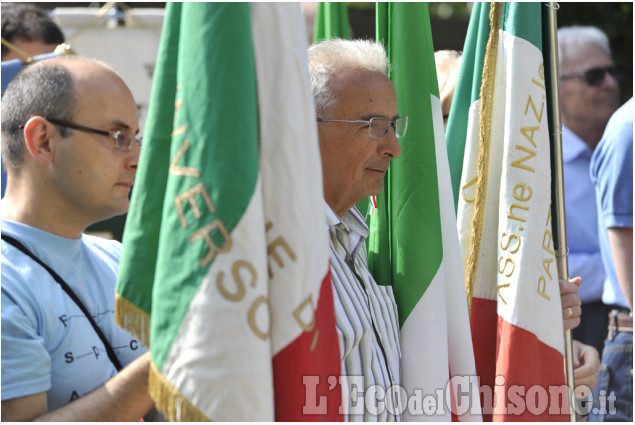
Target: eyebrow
369 116
119 123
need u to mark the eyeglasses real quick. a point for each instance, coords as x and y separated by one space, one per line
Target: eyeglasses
378 126
595 76
124 139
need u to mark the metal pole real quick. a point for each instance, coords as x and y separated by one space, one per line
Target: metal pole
558 219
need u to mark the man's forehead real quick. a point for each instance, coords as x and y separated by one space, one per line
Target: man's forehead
357 77
103 93
589 53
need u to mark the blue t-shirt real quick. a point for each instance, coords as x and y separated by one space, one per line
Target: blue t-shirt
612 174
48 345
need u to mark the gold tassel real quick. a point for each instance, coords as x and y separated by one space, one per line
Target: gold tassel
133 319
170 402
485 126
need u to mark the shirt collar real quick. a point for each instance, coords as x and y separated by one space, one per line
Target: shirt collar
352 220
573 146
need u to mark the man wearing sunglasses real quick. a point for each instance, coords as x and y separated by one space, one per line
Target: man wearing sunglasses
589 95
70 145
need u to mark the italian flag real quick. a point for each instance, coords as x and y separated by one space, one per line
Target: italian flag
225 270
498 144
413 243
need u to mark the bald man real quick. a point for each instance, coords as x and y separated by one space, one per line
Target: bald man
70 146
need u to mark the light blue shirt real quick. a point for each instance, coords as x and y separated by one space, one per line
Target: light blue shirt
612 174
585 259
48 345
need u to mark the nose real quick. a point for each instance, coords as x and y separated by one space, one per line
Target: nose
132 157
610 80
390 146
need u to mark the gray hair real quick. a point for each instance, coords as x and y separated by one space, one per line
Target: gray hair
571 39
329 57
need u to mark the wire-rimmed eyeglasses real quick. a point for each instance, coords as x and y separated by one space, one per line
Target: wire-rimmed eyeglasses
378 126
124 139
595 76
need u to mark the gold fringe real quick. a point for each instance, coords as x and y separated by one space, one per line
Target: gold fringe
133 319
169 401
485 126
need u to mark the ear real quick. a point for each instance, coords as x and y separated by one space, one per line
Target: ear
37 135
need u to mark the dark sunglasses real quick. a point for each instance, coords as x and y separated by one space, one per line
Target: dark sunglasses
595 76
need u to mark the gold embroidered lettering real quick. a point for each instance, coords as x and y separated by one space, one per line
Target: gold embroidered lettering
511 215
507 261
308 302
530 101
181 170
542 287
240 285
499 289
198 189
519 163
520 192
509 240
526 132
205 234
464 193
251 317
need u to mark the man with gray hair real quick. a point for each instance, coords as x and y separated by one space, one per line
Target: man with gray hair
358 130
69 142
589 95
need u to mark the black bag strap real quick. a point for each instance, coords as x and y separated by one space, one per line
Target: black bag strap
111 353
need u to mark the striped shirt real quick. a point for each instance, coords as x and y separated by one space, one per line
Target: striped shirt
367 324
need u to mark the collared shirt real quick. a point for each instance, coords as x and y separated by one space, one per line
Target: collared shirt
612 174
367 324
585 259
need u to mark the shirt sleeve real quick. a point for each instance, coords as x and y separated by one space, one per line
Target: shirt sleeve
26 365
615 179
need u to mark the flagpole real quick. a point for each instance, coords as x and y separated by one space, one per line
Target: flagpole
558 207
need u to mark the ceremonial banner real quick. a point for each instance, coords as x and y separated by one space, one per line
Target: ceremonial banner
226 249
499 116
413 243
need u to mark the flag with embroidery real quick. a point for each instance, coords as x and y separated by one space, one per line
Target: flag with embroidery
225 270
498 143
413 243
